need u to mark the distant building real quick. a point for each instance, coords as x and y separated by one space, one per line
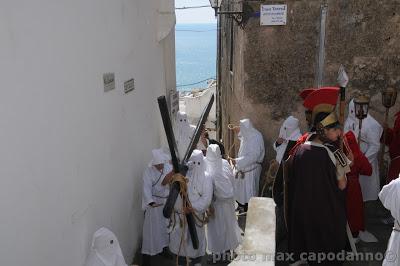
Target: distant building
74 148
194 102
263 68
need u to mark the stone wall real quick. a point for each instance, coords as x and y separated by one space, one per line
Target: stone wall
272 64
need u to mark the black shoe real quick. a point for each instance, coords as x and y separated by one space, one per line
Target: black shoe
167 254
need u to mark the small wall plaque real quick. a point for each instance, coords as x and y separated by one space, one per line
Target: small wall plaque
272 15
129 85
109 81
174 99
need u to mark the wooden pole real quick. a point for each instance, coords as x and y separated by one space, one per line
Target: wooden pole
343 80
341 113
382 168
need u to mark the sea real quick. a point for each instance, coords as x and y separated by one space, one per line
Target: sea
196 53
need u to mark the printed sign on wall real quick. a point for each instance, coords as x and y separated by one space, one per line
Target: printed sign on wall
273 15
129 85
109 81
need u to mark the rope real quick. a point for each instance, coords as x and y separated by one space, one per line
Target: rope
271 175
231 127
182 181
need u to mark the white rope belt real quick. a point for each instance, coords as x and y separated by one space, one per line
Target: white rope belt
160 197
242 173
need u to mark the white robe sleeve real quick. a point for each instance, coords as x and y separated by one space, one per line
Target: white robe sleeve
251 155
202 204
147 196
373 135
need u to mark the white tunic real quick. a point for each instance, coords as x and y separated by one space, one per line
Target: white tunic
250 157
155 232
390 197
223 232
200 195
371 133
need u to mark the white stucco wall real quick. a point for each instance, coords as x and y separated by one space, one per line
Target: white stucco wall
72 155
193 106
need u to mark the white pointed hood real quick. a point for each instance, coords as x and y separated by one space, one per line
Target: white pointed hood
182 124
290 129
197 168
246 128
214 160
105 250
159 157
183 132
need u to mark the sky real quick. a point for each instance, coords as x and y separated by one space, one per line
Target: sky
195 15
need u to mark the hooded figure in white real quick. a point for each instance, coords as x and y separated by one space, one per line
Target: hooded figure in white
105 250
183 132
289 131
155 231
371 133
199 188
248 164
390 198
223 232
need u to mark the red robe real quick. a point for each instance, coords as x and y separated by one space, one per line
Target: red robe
354 198
393 141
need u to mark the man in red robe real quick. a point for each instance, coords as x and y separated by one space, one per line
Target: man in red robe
392 140
354 200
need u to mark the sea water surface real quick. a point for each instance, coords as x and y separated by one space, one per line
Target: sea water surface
196 50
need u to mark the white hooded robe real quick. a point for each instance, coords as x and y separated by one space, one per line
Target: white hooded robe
155 231
200 194
223 232
250 157
371 133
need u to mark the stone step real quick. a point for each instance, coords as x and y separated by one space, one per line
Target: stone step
258 246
